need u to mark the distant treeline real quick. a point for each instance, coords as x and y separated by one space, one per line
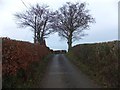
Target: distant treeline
59 51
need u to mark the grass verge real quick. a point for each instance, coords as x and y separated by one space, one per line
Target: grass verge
86 70
99 60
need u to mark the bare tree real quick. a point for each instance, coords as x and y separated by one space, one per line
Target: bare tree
71 20
36 17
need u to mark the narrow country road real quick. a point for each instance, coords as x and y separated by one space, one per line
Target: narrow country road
61 73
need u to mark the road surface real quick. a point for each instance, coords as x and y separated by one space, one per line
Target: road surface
61 73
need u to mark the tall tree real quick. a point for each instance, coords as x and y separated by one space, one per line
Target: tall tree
71 20
36 17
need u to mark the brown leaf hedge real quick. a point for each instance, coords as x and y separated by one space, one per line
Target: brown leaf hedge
100 61
19 55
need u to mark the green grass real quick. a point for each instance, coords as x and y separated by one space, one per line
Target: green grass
34 75
85 69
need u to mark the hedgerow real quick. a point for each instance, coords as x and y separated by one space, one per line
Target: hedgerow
18 57
99 60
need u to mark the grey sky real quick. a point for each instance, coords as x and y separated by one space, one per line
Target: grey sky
104 11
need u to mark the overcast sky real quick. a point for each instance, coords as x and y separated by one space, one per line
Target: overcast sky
105 13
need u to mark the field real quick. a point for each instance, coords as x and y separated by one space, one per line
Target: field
99 61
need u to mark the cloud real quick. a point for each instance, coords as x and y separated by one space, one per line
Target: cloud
119 20
104 11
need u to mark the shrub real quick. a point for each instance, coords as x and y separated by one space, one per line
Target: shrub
101 60
17 58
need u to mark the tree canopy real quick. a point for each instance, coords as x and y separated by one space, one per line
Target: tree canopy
36 17
71 20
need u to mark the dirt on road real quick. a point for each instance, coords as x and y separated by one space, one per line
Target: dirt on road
61 73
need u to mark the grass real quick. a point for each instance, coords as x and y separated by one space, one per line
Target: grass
85 69
27 79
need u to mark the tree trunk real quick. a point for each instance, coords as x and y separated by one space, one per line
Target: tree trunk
35 31
41 41
43 32
69 45
70 42
38 36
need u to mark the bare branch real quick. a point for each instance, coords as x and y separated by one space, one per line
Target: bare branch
41 24
71 20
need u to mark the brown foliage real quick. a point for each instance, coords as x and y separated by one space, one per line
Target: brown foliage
19 54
